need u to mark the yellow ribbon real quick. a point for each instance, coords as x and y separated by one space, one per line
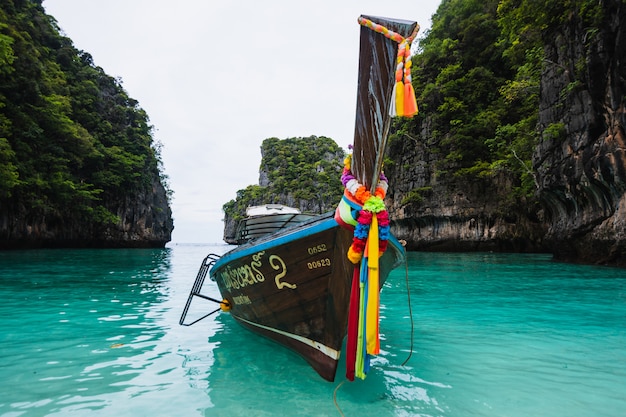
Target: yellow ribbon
373 286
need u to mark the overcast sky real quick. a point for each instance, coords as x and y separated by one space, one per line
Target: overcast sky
218 77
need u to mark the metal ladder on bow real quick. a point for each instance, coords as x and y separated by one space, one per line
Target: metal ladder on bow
207 263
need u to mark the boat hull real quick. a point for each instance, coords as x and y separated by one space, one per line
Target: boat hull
294 287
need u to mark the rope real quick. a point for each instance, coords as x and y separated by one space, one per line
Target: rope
408 294
388 33
335 398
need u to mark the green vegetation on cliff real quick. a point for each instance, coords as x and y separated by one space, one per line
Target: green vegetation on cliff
73 144
479 90
299 172
477 76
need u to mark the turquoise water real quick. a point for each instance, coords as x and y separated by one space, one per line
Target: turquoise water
95 333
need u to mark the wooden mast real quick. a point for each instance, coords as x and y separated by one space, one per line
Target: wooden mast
376 80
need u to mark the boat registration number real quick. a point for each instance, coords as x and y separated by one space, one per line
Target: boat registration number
319 263
317 249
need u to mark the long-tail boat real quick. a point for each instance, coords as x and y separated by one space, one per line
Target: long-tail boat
309 285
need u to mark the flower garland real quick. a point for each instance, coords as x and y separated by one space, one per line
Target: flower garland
370 238
373 206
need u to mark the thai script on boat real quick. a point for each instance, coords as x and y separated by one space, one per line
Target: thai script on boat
250 274
242 299
243 275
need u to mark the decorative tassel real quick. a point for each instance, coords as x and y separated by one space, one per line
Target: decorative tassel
372 247
410 103
397 96
403 102
361 355
370 225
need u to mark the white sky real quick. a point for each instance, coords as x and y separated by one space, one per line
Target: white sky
218 77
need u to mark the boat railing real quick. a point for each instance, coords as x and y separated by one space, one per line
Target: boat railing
207 263
255 227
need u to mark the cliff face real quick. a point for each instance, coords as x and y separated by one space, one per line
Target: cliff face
581 160
450 190
579 163
453 214
144 221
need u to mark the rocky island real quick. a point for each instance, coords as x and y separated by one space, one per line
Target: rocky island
78 163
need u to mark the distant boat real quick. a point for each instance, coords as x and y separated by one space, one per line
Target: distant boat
309 284
266 219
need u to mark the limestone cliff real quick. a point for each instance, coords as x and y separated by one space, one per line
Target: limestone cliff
578 165
521 142
78 163
581 163
302 172
454 215
144 220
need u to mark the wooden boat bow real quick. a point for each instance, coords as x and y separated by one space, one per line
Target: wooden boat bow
376 82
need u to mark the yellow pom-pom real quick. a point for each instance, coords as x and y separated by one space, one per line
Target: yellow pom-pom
347 162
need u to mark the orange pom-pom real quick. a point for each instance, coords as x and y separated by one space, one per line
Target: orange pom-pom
362 195
354 256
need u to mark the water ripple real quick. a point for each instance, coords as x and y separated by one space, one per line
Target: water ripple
96 333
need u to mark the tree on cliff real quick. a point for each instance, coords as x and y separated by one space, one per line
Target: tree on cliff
75 149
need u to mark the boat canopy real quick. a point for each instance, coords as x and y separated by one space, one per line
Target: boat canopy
266 209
